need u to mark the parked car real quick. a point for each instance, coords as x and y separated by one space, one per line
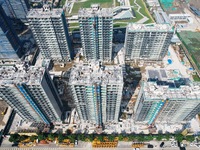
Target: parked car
15 144
162 144
150 146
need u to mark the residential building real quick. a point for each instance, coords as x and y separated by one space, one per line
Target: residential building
16 9
97 92
164 98
10 45
30 92
147 41
51 33
96 29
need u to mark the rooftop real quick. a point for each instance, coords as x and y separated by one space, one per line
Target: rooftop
45 12
20 73
95 10
149 27
161 85
96 73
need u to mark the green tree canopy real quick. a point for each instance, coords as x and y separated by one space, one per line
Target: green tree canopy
33 137
111 137
23 137
189 138
179 137
159 137
41 137
60 137
51 136
14 138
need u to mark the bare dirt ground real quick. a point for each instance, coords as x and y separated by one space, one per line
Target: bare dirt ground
179 5
195 3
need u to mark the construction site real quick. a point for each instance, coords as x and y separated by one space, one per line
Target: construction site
178 6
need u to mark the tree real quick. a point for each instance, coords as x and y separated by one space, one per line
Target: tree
159 137
100 138
167 136
190 138
33 138
111 137
23 137
90 137
41 137
121 137
140 138
51 137
179 137
14 138
148 137
71 138
81 137
60 138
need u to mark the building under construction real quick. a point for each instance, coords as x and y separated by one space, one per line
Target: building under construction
97 92
31 92
96 29
164 98
50 31
148 42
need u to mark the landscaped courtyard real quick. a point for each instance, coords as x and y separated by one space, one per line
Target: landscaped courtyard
141 12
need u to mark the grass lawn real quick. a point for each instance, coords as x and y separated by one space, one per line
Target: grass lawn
144 9
87 4
196 78
191 41
119 25
73 29
62 3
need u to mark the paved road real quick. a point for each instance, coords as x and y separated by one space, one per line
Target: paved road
189 148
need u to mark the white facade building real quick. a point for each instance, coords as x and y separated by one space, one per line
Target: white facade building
96 28
97 92
51 33
147 41
31 92
164 99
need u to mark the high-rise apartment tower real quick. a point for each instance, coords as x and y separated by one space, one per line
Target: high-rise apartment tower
51 33
96 28
31 92
147 41
10 45
97 92
163 99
